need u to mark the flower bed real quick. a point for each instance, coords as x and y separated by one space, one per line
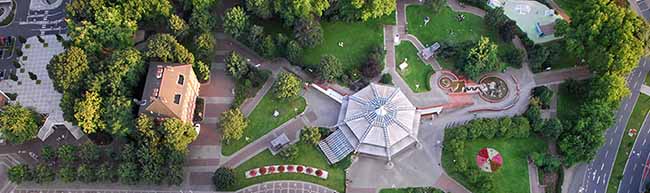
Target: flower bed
277 169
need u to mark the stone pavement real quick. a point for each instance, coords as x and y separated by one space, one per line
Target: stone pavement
267 187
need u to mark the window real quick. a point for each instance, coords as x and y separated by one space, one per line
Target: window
181 79
177 98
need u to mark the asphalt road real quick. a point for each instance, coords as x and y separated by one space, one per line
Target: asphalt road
594 176
633 180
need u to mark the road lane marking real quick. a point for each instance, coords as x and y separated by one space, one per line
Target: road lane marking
611 139
634 169
644 141
602 166
598 181
607 152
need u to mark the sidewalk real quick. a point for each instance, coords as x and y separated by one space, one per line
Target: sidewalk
533 179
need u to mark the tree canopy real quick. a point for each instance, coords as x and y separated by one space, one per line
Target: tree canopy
233 124
67 70
288 86
481 59
178 134
19 124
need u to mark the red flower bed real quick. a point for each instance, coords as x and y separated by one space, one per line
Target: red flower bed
319 173
300 168
271 169
290 168
252 173
262 171
309 170
281 168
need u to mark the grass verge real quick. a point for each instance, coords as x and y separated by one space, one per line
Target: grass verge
636 120
444 25
261 120
417 74
513 175
566 103
309 155
357 40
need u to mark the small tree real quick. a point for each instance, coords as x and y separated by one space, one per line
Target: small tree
19 173
233 124
374 65
330 67
544 94
68 174
236 66
89 153
177 25
127 173
86 174
481 59
235 22
67 154
294 51
289 153
386 79
552 128
48 154
308 32
43 173
19 124
311 135
223 178
269 50
288 86
178 134
105 173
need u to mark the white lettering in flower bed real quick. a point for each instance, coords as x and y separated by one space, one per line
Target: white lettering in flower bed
277 169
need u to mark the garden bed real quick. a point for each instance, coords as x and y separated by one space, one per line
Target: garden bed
309 155
418 73
261 120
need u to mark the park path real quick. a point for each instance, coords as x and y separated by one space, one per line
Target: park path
533 179
559 10
460 7
559 76
448 184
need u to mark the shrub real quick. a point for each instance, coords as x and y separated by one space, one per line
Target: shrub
19 52
68 174
89 153
59 38
85 173
386 79
544 94
67 154
22 39
48 154
223 178
105 173
43 173
40 39
19 173
311 135
32 76
289 153
16 64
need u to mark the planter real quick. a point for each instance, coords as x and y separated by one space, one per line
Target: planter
281 169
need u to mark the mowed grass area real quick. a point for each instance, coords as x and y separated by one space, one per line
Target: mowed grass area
513 176
417 72
261 120
308 155
647 79
357 40
444 26
569 6
636 120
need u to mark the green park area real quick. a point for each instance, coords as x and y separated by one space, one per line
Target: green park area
261 120
513 175
647 80
444 25
636 120
566 103
417 74
357 38
411 190
308 155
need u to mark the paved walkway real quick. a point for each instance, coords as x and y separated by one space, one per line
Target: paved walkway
559 76
533 179
459 7
645 89
267 187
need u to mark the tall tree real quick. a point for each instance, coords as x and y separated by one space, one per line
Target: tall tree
308 33
292 10
68 69
178 134
330 67
236 65
88 113
19 124
235 22
233 124
288 86
177 25
261 8
367 9
481 59
165 48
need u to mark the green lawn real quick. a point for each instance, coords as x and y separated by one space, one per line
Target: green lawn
309 155
443 27
409 190
417 72
566 104
647 79
569 6
636 119
261 120
513 176
357 40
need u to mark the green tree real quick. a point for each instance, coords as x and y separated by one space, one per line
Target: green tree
330 67
88 113
67 154
89 153
261 8
86 174
178 134
67 174
310 135
48 155
127 173
204 46
291 11
117 114
19 124
201 21
177 25
233 124
165 48
521 127
43 173
552 128
534 115
68 69
367 9
268 47
288 86
151 163
19 173
308 33
544 94
505 125
236 65
223 178
202 70
481 59
105 173
294 51
144 127
235 22
289 153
